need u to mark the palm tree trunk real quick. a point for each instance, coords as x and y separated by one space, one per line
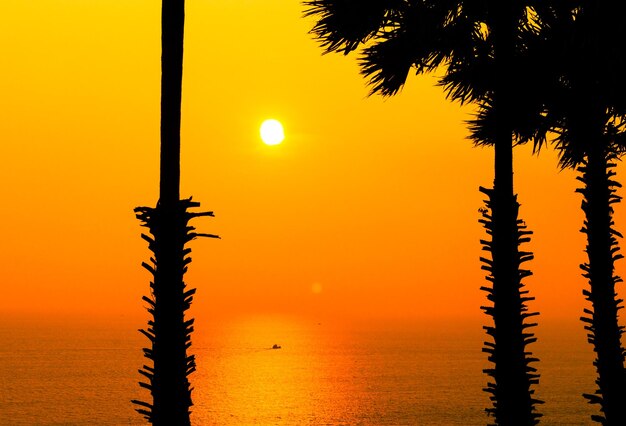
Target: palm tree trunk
602 251
172 34
168 331
512 374
511 392
171 392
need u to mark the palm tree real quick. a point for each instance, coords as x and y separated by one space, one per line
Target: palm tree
168 331
477 42
586 109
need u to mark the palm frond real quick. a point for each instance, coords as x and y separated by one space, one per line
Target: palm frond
343 25
411 38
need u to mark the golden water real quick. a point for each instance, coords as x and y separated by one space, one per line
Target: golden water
323 374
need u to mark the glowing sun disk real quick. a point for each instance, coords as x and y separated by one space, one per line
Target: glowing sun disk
272 132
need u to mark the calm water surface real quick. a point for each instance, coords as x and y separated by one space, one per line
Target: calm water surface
323 375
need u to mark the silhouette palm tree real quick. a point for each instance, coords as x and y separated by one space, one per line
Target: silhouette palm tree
586 110
479 45
168 330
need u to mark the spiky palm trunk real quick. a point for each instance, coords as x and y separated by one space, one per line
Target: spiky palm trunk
511 392
168 331
602 251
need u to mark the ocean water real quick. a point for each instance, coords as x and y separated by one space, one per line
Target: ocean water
324 374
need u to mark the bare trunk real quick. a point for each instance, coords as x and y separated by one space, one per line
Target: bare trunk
172 27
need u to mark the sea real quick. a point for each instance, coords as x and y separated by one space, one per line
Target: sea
365 373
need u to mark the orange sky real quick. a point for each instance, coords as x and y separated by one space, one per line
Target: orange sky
375 202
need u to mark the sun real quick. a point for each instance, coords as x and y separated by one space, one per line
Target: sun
272 132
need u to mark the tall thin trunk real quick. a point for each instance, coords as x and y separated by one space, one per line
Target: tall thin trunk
170 387
173 28
602 251
511 392
168 331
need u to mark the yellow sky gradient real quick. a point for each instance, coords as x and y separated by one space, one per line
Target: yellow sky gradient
368 209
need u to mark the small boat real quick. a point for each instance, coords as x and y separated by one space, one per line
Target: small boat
276 346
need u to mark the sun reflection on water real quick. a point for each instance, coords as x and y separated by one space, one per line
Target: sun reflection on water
326 374
253 383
